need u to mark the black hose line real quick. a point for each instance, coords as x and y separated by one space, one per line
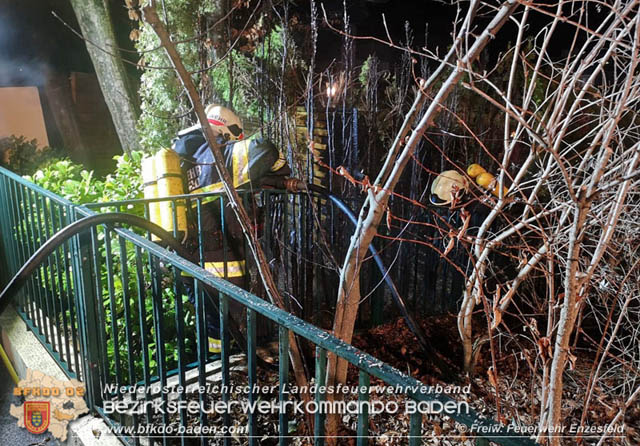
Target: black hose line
116 219
64 234
411 323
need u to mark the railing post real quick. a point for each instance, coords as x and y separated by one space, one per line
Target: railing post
283 374
87 318
321 379
363 415
415 429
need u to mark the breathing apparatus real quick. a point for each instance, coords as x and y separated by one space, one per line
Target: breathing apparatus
486 180
162 175
162 178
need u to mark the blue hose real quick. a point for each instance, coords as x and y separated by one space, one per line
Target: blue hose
413 325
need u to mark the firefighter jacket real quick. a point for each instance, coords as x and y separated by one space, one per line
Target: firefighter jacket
254 162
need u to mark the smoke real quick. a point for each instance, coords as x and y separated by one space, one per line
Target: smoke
23 55
23 73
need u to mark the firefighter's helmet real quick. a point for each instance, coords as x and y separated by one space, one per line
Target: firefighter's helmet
448 185
223 121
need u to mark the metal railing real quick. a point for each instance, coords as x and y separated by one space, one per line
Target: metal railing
48 303
110 306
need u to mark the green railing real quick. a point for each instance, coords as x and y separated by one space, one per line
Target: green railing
29 215
111 308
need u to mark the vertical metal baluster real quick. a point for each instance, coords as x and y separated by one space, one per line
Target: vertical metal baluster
321 380
180 332
283 374
16 230
23 247
35 282
174 218
200 236
202 343
226 378
67 248
21 207
251 371
87 317
30 240
363 415
225 242
49 281
158 318
9 265
101 320
112 305
40 276
113 314
295 249
126 303
267 197
7 230
203 349
147 216
60 312
415 429
245 202
285 244
4 230
304 261
142 320
223 302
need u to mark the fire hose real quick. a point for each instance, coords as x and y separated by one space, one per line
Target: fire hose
299 186
116 219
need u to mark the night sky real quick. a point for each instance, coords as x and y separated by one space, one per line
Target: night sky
33 41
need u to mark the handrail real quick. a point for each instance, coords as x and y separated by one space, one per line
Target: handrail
102 204
35 187
325 342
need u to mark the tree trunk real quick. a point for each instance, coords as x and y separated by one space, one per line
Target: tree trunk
95 22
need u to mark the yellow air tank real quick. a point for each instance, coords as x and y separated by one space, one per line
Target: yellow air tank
474 170
167 163
150 187
489 182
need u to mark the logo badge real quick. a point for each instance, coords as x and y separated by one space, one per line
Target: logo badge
36 416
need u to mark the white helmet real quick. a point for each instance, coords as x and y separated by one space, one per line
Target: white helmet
448 185
223 122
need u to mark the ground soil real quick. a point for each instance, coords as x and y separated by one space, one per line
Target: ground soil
511 397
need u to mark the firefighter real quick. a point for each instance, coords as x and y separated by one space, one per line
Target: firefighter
252 163
450 185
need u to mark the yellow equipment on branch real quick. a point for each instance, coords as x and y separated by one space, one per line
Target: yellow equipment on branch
486 180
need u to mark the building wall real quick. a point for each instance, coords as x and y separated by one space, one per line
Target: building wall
21 114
